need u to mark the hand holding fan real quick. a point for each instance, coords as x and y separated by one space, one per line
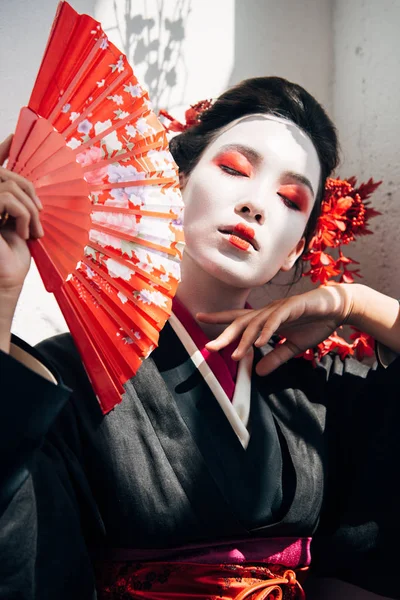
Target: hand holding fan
98 158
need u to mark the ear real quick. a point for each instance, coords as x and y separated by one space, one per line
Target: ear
182 180
294 255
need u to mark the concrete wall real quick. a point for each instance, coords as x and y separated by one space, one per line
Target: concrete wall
366 108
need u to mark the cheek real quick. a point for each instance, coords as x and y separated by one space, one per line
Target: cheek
200 200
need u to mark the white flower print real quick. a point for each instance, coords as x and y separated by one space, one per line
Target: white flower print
153 297
119 221
104 43
148 104
74 116
89 272
120 198
117 99
120 64
102 126
104 239
116 269
134 90
66 108
149 260
84 127
121 114
74 143
111 140
161 159
117 173
100 83
143 126
130 130
122 297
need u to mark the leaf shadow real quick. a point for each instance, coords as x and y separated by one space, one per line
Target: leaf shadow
155 43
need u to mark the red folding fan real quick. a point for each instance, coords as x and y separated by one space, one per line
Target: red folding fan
99 160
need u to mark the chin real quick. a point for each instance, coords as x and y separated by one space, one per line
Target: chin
233 274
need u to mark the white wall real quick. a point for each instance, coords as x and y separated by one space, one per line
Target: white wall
288 38
366 108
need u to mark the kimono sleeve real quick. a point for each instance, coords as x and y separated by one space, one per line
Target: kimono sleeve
42 548
357 539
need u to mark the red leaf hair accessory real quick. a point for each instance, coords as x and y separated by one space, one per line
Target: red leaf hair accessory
345 214
192 116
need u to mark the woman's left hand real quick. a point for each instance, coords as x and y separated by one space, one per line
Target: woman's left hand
304 320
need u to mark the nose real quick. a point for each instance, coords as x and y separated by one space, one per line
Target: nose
251 211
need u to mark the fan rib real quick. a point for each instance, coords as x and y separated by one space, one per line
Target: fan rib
135 240
131 298
135 183
132 211
111 311
107 392
64 97
105 337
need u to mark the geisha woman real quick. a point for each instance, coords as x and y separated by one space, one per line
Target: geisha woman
222 462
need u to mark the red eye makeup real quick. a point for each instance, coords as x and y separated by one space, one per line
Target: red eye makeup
296 194
236 161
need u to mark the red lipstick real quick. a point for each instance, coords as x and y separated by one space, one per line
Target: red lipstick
242 236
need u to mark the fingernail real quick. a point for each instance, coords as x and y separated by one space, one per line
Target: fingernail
41 230
40 205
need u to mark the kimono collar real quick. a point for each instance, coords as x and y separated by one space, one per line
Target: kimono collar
220 363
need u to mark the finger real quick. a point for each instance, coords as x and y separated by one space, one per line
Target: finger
276 358
223 316
11 188
229 334
250 335
18 210
5 148
280 316
23 183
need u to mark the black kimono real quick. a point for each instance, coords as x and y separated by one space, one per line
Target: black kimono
165 468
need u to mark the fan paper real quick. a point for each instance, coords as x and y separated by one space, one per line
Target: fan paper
99 160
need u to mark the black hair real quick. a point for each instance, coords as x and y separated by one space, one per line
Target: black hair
269 95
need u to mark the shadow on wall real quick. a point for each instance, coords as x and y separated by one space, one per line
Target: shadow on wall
155 43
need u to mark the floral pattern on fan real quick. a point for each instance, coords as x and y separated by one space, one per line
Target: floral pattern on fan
99 159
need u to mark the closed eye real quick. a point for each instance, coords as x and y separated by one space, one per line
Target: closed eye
289 203
231 171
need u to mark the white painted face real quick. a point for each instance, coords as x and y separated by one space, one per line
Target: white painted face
248 200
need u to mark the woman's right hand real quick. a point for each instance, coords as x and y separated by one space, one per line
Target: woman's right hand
20 207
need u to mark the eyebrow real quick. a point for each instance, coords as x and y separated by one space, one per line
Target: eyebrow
256 158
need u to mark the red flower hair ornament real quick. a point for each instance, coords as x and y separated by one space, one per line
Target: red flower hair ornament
345 215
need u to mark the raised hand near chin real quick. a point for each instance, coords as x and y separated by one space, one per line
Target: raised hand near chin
304 320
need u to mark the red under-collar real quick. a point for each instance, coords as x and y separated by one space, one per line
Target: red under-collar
220 363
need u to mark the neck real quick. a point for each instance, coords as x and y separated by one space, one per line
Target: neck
201 292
